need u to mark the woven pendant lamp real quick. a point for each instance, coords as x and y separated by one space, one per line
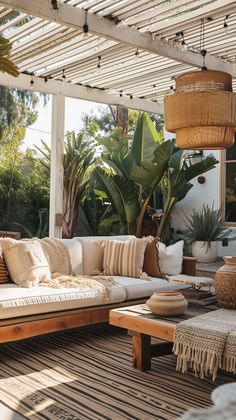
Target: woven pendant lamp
202 111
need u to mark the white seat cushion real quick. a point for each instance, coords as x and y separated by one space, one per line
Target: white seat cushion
138 288
18 301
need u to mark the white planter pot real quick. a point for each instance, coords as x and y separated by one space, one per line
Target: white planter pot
203 253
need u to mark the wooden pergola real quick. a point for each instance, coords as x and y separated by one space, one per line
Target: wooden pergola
117 52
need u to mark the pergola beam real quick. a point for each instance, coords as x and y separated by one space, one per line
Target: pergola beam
75 17
79 92
56 166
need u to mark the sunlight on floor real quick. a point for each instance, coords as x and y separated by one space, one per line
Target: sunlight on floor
22 387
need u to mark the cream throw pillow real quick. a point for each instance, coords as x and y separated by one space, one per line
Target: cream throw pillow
171 258
124 258
26 263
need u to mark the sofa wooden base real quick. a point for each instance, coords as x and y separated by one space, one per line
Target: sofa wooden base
29 326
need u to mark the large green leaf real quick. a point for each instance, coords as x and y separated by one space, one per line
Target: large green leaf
175 161
199 168
123 194
150 174
145 139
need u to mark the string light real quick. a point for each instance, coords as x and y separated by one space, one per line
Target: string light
225 24
63 76
45 79
99 63
31 83
202 44
85 27
136 54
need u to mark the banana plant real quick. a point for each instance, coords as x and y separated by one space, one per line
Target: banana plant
175 180
149 176
115 176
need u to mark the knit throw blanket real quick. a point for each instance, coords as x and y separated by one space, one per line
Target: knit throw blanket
101 284
57 255
207 343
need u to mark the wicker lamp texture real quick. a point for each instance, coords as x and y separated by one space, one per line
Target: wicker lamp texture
202 111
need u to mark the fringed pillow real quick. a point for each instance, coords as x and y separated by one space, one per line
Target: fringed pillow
124 258
26 263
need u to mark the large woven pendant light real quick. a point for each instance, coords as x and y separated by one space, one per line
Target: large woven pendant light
202 111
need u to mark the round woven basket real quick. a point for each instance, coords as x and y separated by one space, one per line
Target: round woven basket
209 137
204 80
194 109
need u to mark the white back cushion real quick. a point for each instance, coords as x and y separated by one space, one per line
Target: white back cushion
171 258
74 247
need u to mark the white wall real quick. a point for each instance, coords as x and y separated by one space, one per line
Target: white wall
202 194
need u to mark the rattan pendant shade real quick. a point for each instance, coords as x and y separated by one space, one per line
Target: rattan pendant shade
202 111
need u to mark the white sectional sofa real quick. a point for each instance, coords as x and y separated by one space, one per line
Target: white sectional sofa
26 312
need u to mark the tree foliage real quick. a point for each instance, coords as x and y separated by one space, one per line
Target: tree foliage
6 64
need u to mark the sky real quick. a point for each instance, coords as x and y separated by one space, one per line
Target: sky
41 129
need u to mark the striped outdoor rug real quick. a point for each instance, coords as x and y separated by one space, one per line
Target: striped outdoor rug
87 374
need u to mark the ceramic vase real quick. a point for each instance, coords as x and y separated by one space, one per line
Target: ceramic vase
167 303
203 253
225 284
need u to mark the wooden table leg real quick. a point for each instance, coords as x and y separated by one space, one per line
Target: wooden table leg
141 351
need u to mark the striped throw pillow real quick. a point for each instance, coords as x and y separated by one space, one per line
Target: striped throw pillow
4 275
124 258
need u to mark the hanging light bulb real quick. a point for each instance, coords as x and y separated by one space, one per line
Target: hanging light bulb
121 98
31 83
85 27
63 77
136 54
225 25
99 63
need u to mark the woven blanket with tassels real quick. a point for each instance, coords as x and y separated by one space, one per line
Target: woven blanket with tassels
207 343
103 285
57 255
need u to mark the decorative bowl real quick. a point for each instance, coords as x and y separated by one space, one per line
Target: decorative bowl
167 303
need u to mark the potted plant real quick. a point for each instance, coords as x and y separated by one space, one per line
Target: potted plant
204 228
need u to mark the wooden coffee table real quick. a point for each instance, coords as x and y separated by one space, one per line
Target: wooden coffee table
142 325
